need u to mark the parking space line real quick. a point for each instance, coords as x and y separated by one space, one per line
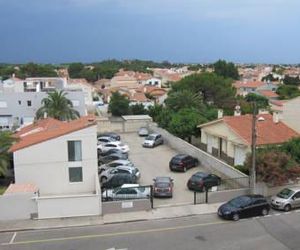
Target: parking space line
13 238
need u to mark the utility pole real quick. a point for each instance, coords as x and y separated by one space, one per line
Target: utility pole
253 151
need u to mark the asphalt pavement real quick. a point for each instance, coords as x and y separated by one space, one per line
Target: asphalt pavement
277 231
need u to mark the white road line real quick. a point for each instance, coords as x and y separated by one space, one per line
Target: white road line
13 238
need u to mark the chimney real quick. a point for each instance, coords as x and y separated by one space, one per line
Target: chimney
263 111
275 117
220 113
237 110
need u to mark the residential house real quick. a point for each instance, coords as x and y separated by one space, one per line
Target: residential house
20 99
229 137
154 81
59 159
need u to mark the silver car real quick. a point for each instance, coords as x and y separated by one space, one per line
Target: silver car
127 192
114 164
108 173
143 131
153 140
286 199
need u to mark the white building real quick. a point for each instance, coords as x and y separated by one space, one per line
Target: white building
154 81
60 160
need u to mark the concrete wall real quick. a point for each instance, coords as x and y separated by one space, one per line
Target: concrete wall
208 161
125 206
17 206
69 206
264 189
223 196
291 114
46 164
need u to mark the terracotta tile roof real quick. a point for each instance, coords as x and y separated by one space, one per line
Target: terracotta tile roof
268 93
21 188
268 132
47 129
277 102
139 97
254 84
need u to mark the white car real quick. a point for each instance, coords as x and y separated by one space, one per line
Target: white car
116 144
127 192
114 164
105 139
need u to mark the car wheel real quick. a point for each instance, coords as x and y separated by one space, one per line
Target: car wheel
103 179
287 208
236 217
265 212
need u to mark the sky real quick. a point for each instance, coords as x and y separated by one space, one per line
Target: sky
188 31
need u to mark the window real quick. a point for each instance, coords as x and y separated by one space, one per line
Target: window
297 195
19 102
3 104
29 103
75 174
74 150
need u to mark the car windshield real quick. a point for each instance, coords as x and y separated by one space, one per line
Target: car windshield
240 201
150 138
285 193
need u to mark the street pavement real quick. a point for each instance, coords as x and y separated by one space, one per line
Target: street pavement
277 231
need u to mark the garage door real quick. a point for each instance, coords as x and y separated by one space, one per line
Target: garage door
239 155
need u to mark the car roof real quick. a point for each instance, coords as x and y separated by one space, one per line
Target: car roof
105 137
113 142
162 179
121 161
201 174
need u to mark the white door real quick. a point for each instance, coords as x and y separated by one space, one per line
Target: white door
209 143
239 155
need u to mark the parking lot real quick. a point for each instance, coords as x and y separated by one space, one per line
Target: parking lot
153 162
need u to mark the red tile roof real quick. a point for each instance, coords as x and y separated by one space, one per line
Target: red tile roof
268 93
47 129
254 84
21 188
268 132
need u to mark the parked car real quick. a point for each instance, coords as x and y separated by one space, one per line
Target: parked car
122 169
110 134
110 158
286 199
118 180
244 206
153 140
183 162
163 187
143 131
127 192
116 145
105 139
114 164
112 151
201 181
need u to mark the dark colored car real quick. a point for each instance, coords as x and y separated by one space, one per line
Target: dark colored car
244 206
163 187
110 134
182 162
111 157
201 181
112 151
118 180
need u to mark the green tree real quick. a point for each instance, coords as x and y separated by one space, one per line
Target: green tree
274 166
261 101
184 123
288 91
6 140
138 109
118 105
36 70
227 70
75 69
154 111
292 147
57 106
183 99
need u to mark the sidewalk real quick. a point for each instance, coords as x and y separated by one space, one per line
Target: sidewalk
157 213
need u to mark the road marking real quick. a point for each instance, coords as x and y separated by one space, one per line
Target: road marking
13 238
116 234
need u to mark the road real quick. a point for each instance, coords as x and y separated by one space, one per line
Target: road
278 231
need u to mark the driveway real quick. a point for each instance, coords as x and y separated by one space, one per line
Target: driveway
153 162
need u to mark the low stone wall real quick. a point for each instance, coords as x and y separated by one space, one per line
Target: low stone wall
207 161
125 206
265 190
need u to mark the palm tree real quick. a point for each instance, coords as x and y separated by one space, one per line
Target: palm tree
6 140
57 106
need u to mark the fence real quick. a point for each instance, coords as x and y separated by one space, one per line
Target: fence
228 189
